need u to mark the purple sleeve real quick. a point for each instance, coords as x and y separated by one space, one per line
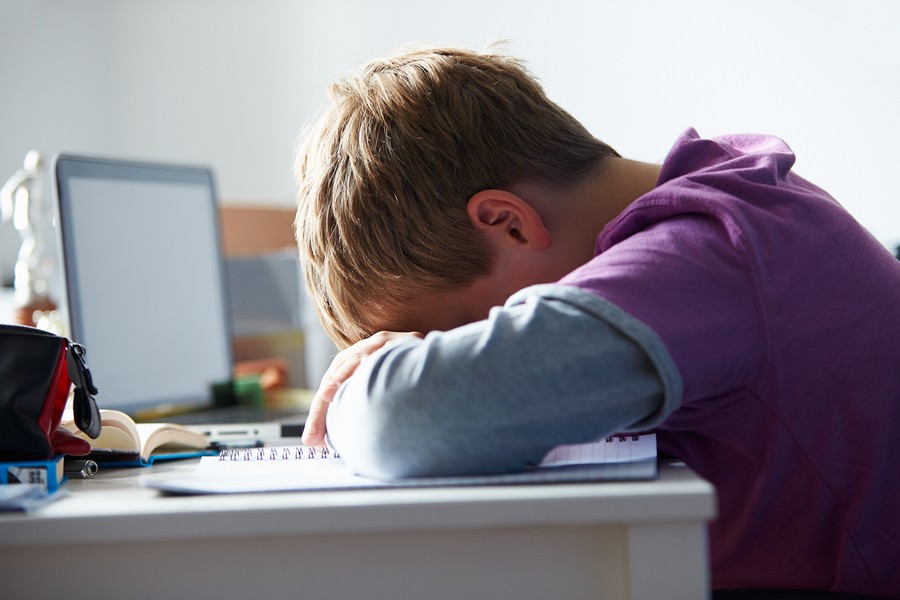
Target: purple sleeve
687 278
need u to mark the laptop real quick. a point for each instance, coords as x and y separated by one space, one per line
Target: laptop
147 294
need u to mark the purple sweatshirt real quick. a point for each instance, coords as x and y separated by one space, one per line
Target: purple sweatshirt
782 315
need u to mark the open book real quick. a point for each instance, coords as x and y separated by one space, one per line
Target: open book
296 468
124 443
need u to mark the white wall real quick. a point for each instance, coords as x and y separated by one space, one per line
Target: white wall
230 83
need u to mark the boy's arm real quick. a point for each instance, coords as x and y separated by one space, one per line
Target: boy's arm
557 365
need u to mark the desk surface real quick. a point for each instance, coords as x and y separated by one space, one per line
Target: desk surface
130 511
644 539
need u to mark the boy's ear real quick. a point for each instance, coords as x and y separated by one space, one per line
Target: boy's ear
507 218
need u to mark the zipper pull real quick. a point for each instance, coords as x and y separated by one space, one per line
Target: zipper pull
79 372
87 415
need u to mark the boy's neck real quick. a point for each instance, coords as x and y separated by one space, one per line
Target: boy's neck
613 187
575 215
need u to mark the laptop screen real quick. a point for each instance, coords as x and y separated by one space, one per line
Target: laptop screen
145 282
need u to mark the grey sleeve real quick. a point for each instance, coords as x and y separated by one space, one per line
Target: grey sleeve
556 365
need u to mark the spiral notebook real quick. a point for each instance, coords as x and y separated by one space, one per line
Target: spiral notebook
301 468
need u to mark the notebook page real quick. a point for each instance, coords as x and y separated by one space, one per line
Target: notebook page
614 449
293 468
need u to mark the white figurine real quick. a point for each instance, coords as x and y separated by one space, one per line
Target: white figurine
22 202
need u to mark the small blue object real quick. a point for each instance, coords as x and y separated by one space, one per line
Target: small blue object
47 474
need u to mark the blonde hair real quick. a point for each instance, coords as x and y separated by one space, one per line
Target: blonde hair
385 174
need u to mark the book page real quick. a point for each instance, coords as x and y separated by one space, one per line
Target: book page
168 436
118 431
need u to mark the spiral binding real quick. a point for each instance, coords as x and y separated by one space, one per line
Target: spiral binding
280 453
311 453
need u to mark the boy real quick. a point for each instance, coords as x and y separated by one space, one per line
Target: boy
718 299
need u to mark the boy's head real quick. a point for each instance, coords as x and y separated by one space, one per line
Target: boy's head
386 172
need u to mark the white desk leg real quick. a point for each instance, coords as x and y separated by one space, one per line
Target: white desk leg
669 561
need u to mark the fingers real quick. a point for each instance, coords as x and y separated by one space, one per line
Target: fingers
314 429
341 369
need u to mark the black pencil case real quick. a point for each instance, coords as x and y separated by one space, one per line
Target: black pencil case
37 372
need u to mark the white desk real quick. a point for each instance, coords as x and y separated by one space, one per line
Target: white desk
112 538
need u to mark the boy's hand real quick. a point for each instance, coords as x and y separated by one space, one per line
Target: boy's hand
342 367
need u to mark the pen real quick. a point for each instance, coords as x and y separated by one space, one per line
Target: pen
80 469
